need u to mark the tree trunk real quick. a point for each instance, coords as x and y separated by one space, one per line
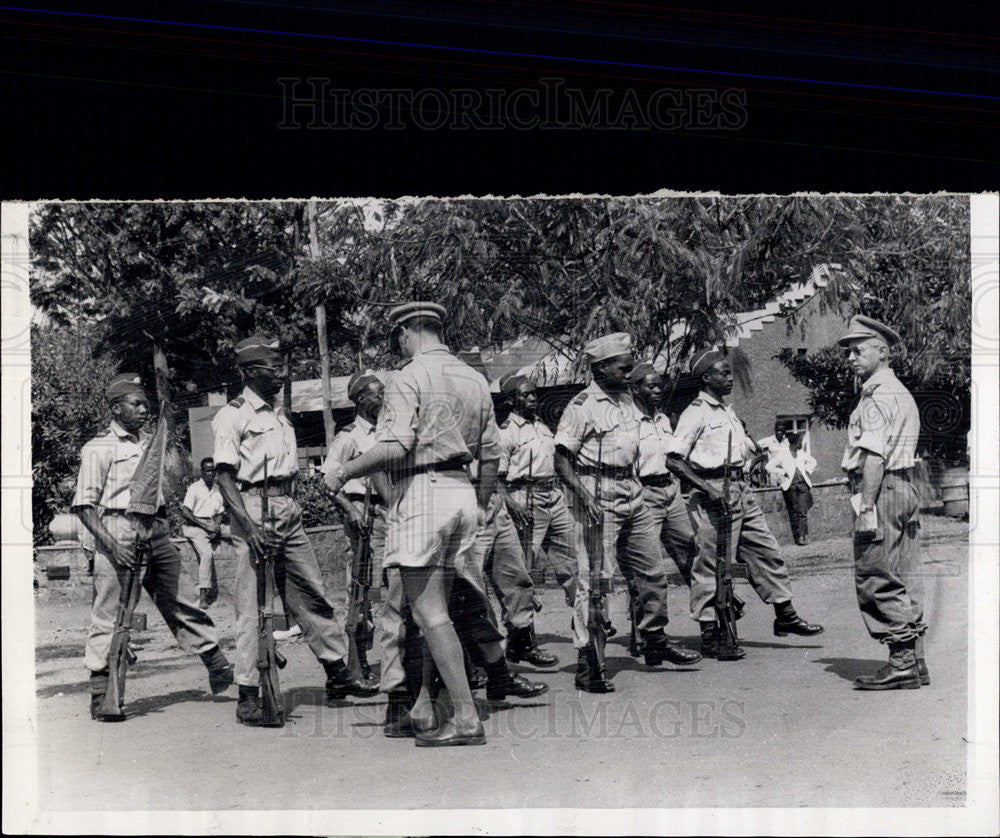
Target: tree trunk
329 427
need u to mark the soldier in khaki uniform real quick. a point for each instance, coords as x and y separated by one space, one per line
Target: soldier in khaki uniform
598 435
528 458
400 647
107 464
881 446
249 431
437 418
697 453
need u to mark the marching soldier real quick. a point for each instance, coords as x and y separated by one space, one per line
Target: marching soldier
437 418
365 390
603 420
697 453
660 489
881 446
250 431
528 459
107 464
503 559
397 644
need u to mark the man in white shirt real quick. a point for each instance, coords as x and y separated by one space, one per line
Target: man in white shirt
202 514
791 467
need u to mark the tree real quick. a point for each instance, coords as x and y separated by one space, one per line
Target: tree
905 261
67 409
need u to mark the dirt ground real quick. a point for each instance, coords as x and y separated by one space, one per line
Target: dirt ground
782 728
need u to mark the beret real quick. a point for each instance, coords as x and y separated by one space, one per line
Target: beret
704 360
867 327
510 382
122 384
608 346
640 371
258 349
358 382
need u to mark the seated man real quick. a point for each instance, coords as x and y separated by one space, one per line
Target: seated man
202 513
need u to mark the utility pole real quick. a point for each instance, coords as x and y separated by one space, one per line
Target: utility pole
329 427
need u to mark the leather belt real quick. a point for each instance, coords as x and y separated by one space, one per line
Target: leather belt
543 483
656 481
275 488
376 500
719 472
614 472
453 464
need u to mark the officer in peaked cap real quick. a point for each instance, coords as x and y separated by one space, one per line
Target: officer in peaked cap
881 446
107 464
697 452
597 445
251 431
437 418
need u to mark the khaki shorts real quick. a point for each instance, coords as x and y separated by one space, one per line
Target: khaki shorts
433 522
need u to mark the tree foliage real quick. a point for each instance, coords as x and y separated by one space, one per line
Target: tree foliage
67 409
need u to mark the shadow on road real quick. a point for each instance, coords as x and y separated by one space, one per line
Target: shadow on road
142 670
850 668
158 703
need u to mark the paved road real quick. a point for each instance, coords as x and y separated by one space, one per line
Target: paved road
781 728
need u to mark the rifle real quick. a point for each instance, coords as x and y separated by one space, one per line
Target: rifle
360 625
146 488
596 627
269 660
634 641
725 607
528 531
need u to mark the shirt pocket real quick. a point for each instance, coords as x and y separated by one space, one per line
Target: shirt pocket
254 445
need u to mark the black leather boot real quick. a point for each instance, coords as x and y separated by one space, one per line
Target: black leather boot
900 673
663 649
786 622
339 683
710 644
502 683
589 676
522 646
248 707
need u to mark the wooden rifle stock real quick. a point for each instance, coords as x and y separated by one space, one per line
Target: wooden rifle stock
120 655
268 658
725 609
596 628
360 626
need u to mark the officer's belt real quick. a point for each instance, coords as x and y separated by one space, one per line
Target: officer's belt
614 472
160 513
275 488
453 464
855 477
656 481
545 484
719 472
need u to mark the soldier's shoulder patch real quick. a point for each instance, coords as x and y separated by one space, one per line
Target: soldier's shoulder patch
505 424
348 428
238 402
696 403
580 399
103 432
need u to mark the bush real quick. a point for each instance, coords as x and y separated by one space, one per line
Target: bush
318 509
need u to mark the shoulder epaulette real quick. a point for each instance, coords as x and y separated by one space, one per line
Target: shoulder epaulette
506 422
580 399
348 428
104 431
696 402
239 401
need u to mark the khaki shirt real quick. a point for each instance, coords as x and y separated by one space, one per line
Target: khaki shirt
655 434
202 501
885 422
353 441
247 430
702 434
107 464
526 446
439 408
594 415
